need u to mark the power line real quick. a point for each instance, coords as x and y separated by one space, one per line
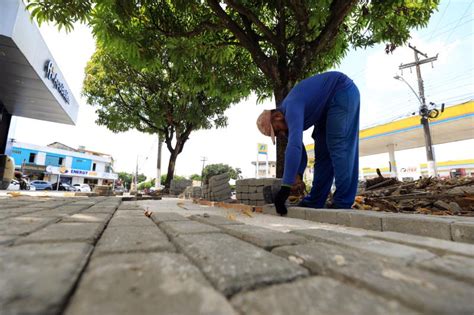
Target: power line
465 13
440 19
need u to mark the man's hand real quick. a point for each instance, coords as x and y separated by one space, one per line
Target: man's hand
280 200
299 188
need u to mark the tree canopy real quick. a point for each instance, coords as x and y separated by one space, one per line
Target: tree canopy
153 100
278 42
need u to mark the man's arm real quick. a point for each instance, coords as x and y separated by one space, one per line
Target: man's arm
303 162
294 117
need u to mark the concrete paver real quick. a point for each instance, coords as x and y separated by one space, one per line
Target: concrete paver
146 283
316 296
218 260
233 265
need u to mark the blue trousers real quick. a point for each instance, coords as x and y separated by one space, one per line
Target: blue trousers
336 151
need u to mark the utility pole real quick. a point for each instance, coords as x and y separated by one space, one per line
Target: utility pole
424 111
203 160
158 166
136 176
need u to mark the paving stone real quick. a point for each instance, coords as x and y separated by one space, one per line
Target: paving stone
130 221
434 245
37 278
100 209
128 239
7 239
424 291
458 267
88 217
333 216
146 283
294 212
129 213
215 220
418 225
315 296
401 253
463 232
159 217
368 221
175 228
233 265
23 225
65 232
262 237
127 206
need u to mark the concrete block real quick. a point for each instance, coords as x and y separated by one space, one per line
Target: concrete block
88 217
260 203
150 283
426 292
65 232
463 232
296 213
269 209
262 237
368 221
260 189
396 252
437 246
220 177
130 221
233 265
332 216
175 228
316 296
100 209
23 225
131 239
38 278
159 217
418 225
456 267
130 213
215 220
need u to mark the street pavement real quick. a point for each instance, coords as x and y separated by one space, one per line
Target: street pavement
69 255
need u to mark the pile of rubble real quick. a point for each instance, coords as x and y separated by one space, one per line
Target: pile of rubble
454 196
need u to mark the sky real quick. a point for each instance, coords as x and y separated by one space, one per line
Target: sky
383 99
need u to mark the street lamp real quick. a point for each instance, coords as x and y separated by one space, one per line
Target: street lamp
425 114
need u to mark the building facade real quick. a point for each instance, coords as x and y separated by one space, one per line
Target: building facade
262 169
60 163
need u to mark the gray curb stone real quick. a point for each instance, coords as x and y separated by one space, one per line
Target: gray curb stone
418 225
424 291
151 283
315 296
37 278
215 220
457 267
233 265
463 232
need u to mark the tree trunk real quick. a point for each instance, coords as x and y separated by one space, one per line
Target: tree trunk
171 166
280 93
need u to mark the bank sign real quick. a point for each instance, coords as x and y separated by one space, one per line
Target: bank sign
51 75
79 173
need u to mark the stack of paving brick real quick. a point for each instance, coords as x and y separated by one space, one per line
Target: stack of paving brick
178 186
192 192
257 192
218 188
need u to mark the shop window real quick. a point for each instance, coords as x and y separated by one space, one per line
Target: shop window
60 161
94 166
32 157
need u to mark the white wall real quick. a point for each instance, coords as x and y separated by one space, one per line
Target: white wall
40 158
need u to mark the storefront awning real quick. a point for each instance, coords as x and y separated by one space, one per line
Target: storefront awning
31 84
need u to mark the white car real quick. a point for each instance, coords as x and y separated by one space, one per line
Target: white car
14 185
82 187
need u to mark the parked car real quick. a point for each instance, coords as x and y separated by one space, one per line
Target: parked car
82 187
41 185
14 185
63 187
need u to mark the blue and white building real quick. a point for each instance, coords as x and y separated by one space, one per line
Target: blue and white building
58 162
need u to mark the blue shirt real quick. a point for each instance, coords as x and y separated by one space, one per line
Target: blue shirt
303 107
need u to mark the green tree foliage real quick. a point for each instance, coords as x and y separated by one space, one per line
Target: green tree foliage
283 40
152 100
217 169
127 178
195 177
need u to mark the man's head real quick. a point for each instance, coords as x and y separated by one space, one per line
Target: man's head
271 123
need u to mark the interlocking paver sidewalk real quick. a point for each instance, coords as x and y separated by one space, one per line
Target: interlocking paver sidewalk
99 255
